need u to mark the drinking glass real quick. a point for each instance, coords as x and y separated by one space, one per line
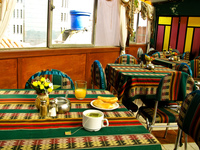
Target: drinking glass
80 89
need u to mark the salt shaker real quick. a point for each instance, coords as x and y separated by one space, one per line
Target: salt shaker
43 109
52 108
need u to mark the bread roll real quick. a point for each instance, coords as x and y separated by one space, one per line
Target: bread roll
101 104
108 99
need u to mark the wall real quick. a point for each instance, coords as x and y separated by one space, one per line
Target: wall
182 31
17 66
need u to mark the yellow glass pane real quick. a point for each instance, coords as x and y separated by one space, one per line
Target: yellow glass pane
194 21
188 40
165 20
166 37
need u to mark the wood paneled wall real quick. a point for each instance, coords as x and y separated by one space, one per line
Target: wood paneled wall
17 66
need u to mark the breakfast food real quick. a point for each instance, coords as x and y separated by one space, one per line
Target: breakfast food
101 104
108 99
105 102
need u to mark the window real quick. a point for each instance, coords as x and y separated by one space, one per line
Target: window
17 28
14 13
13 29
67 25
20 29
17 13
21 13
139 29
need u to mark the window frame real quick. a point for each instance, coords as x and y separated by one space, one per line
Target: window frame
49 28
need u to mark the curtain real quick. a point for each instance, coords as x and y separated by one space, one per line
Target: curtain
107 26
147 12
6 11
123 28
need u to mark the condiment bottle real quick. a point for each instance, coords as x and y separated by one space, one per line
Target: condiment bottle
43 108
52 108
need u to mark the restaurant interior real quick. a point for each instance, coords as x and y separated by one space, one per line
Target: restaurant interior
139 83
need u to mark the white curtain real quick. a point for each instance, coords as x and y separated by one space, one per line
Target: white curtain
6 11
107 23
123 28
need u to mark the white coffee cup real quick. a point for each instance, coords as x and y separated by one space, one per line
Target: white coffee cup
93 120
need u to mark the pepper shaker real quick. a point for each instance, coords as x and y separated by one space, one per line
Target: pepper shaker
43 108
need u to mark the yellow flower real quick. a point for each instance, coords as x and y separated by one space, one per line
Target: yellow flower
46 84
42 79
39 83
35 83
49 89
41 86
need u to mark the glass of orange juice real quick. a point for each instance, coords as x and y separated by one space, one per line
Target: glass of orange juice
80 89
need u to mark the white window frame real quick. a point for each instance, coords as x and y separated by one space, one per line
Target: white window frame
49 28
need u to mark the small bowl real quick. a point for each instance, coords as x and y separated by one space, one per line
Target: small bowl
63 105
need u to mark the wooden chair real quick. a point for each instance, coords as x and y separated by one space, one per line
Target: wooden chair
189 119
157 55
172 87
98 76
184 67
126 59
186 56
55 76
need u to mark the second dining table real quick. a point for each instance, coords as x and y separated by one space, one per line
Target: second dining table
21 127
133 82
169 63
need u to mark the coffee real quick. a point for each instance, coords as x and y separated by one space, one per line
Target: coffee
93 114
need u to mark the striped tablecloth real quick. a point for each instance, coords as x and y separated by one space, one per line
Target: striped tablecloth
133 82
170 64
22 128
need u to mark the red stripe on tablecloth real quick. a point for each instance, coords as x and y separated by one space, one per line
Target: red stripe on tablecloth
137 82
12 126
17 99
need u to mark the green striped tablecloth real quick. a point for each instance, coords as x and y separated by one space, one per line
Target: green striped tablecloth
170 64
22 128
133 82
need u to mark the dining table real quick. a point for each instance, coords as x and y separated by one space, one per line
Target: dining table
131 81
22 128
169 63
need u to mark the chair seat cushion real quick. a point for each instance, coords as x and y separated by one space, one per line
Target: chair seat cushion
151 103
164 115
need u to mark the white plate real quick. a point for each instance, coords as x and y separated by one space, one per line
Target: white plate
116 105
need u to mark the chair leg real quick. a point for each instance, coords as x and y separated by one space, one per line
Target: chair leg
178 137
185 141
166 131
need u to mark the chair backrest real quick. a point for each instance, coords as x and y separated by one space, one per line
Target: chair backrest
126 59
186 56
151 52
184 67
195 67
175 50
175 86
98 76
55 76
157 55
189 116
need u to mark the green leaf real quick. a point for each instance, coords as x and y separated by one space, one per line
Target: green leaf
55 87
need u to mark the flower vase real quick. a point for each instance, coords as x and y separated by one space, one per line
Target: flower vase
40 97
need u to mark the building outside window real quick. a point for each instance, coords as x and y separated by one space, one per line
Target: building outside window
31 18
139 29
